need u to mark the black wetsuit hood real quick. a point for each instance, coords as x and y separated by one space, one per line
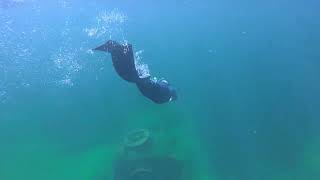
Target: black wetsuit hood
159 91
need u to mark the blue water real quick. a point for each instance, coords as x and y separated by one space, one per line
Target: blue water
247 76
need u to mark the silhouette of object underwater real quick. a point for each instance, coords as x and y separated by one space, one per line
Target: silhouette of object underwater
151 168
159 91
140 160
138 140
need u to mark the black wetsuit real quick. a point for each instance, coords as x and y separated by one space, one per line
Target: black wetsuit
159 91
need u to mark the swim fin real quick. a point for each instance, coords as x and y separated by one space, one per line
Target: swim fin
109 46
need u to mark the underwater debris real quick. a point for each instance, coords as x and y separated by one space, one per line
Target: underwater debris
141 174
137 138
141 161
154 168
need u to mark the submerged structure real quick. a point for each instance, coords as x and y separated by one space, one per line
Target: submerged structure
137 138
152 168
139 162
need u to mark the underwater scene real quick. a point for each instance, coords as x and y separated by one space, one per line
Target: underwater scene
159 90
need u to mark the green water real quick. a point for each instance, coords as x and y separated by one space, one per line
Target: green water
247 76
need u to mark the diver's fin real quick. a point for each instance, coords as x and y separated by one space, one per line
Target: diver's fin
108 46
103 47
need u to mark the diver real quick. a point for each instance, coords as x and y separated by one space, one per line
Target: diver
158 90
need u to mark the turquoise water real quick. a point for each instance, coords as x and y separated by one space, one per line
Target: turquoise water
247 75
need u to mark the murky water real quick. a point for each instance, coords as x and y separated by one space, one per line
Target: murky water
246 73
